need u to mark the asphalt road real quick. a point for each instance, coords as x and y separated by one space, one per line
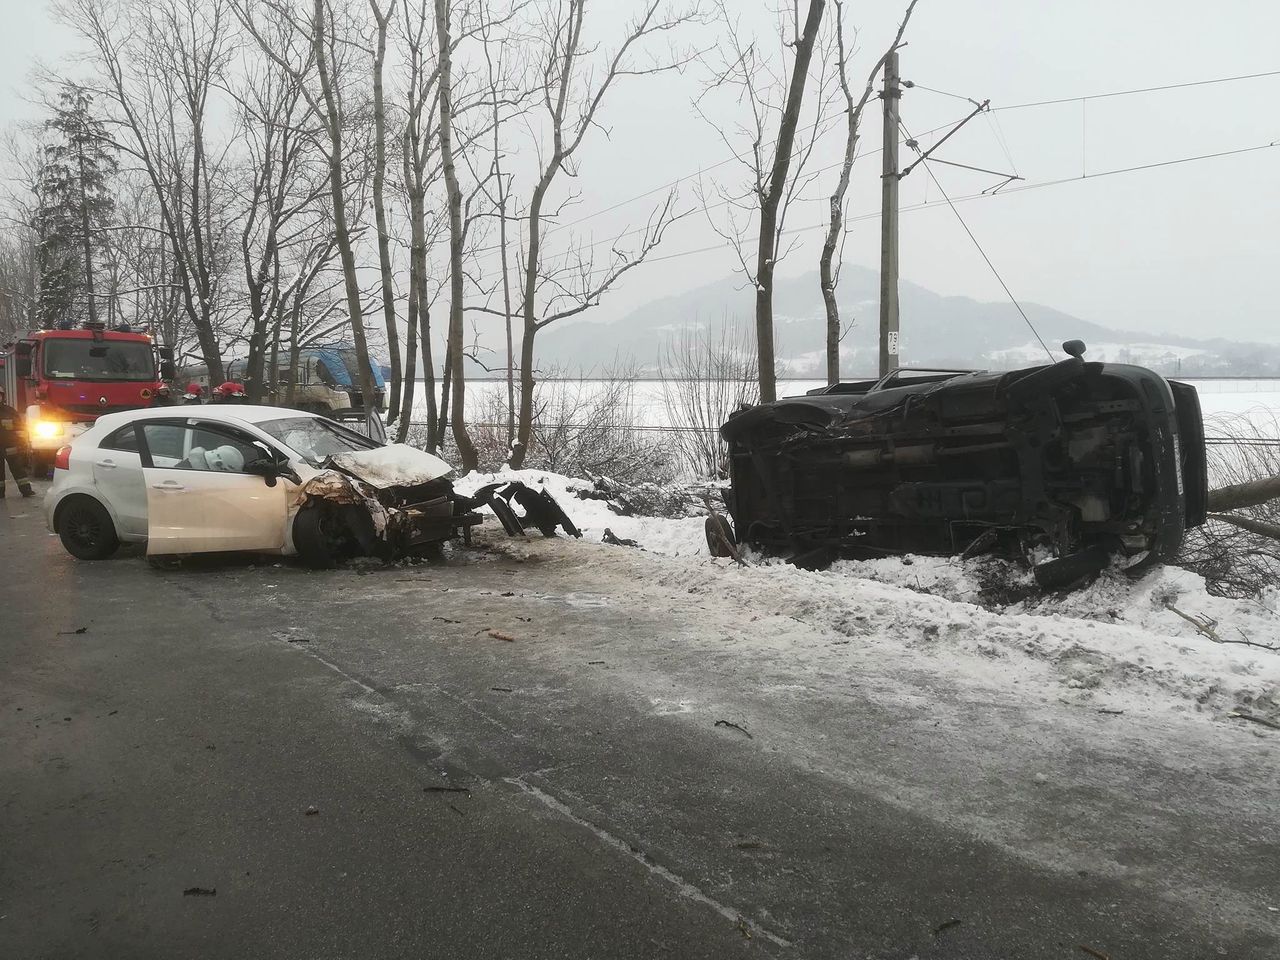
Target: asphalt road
358 768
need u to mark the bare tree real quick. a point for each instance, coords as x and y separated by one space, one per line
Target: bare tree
283 222
19 270
419 144
161 62
454 350
828 269
752 218
382 19
766 256
571 93
707 374
321 50
1237 550
495 71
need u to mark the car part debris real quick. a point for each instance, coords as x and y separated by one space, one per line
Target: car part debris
397 501
733 726
541 511
613 539
1070 466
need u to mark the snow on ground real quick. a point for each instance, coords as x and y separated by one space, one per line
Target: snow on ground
1116 645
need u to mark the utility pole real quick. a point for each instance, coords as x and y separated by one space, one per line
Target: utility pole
889 220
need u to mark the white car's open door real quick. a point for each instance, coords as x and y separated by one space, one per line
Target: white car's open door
205 511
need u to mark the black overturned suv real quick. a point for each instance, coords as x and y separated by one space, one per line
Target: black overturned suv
1071 466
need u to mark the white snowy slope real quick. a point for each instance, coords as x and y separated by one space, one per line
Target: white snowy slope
1117 645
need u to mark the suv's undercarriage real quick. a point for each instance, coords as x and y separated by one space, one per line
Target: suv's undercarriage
1075 462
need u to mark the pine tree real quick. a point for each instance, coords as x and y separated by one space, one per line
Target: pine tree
73 203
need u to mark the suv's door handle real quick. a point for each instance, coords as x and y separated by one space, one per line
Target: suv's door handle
109 464
168 485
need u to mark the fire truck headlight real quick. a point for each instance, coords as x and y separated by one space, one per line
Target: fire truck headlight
45 429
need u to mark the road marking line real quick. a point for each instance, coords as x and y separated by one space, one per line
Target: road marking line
682 886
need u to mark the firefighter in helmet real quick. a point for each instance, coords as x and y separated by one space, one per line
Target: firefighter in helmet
11 449
229 392
194 395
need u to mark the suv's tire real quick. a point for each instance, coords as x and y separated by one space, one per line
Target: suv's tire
86 530
720 538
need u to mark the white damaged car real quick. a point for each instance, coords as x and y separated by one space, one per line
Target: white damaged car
262 479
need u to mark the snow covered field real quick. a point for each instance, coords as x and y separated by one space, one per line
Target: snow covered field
1216 396
1117 645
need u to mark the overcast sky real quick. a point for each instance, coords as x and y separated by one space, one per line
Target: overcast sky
1188 249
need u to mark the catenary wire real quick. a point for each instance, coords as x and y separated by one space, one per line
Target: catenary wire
996 273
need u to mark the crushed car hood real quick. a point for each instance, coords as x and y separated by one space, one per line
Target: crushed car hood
395 465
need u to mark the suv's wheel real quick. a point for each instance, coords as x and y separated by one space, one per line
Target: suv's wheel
86 529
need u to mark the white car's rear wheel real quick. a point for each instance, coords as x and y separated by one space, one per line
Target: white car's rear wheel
86 529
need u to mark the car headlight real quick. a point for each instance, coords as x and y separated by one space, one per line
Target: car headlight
45 429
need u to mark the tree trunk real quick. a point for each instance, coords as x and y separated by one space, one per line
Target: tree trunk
380 207
466 449
88 239
446 383
524 437
769 203
273 392
341 233
827 272
405 413
294 322
1260 527
1240 495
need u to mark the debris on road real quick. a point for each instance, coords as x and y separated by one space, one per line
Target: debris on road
613 540
71 633
733 726
1253 718
200 892
435 789
499 635
311 811
947 925
541 511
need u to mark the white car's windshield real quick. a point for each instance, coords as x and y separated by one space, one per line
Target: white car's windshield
316 438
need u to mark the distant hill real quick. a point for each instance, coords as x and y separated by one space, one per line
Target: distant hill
936 330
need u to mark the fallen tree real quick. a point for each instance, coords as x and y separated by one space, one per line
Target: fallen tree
1237 550
1252 493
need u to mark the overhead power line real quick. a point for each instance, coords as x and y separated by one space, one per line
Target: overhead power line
873 215
996 273
995 109
493 248
1126 93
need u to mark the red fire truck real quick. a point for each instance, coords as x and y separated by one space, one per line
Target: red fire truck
62 380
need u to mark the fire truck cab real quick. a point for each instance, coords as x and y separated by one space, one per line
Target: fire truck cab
62 380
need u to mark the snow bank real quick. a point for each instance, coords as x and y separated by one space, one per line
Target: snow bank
1117 644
